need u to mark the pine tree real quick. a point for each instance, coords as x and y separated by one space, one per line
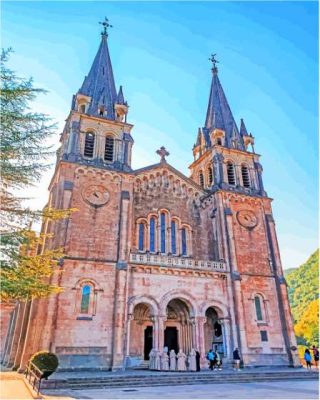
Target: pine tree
25 267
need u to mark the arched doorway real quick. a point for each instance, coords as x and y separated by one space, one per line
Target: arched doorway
213 332
178 332
141 332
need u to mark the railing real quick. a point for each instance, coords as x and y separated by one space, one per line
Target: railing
179 262
34 376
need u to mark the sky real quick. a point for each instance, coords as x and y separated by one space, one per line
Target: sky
268 67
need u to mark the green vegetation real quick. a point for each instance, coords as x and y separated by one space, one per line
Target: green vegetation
303 288
46 362
25 268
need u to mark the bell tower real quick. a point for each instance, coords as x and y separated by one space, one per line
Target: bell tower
96 132
228 169
224 157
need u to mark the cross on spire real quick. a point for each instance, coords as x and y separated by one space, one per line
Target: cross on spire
163 153
214 62
105 25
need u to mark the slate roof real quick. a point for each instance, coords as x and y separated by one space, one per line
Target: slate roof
99 84
219 114
243 129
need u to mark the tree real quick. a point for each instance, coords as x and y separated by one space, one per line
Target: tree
25 269
308 325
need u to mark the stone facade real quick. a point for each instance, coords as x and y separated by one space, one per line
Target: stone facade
154 260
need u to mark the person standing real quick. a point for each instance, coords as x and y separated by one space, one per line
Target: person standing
198 360
315 352
236 359
210 357
308 358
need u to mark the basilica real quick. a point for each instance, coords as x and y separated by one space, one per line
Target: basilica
155 260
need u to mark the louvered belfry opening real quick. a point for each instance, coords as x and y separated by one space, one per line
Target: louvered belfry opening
245 176
108 149
201 180
231 175
210 176
89 145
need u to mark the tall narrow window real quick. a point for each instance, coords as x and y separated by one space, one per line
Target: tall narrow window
173 237
82 108
89 144
219 142
201 180
108 149
163 232
257 303
152 234
141 236
210 176
183 241
85 299
231 175
245 176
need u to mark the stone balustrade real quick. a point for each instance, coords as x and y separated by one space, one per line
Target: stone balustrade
174 261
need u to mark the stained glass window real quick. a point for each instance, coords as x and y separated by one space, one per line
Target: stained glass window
257 303
163 233
152 234
141 236
85 299
173 238
184 242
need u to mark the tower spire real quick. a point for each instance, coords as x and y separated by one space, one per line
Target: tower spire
99 84
219 114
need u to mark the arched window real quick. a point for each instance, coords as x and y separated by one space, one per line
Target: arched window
257 303
163 232
85 299
230 172
108 149
173 237
141 236
152 234
219 141
201 180
89 144
245 176
210 176
183 241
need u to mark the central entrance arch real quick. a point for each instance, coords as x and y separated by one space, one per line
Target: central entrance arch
178 332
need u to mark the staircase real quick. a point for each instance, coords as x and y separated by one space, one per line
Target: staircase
143 366
151 378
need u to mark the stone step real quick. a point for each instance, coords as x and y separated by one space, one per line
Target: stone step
167 380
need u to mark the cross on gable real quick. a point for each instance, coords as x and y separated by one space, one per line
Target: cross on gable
163 153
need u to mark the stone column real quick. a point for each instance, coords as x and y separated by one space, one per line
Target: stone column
235 276
200 321
6 321
282 294
119 317
9 336
161 324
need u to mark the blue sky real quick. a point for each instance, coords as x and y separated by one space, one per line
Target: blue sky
268 53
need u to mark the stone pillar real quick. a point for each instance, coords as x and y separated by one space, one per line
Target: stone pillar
259 170
161 324
235 276
7 340
282 294
6 321
200 321
18 331
119 317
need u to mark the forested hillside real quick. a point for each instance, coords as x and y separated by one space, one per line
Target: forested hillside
303 288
